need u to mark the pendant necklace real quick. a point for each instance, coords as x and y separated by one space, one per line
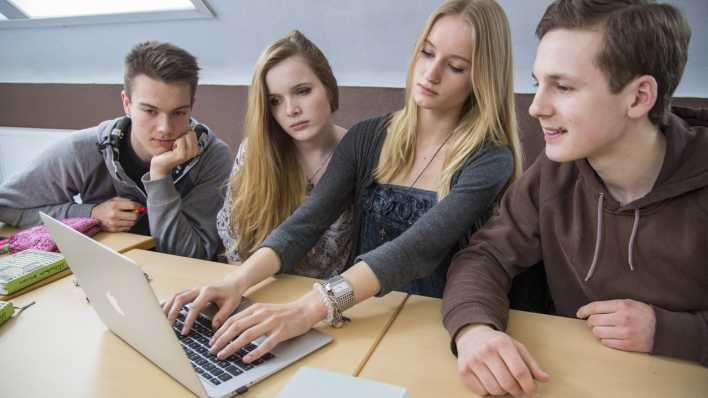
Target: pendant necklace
382 231
310 180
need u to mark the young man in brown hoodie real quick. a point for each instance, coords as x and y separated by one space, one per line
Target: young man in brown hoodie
616 207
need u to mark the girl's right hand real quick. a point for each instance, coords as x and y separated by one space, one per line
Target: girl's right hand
224 294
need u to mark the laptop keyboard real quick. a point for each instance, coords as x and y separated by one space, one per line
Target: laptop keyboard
196 346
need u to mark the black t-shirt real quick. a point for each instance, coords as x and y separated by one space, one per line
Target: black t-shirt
132 164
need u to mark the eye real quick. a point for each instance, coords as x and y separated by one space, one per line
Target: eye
274 101
427 53
456 69
180 113
535 83
151 112
303 91
562 88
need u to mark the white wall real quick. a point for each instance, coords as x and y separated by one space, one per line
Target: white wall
367 41
32 142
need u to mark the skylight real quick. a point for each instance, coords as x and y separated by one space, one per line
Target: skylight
45 13
75 8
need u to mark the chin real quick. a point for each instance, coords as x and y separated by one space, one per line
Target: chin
558 155
425 103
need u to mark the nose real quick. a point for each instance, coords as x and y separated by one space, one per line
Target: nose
164 124
292 108
433 72
540 106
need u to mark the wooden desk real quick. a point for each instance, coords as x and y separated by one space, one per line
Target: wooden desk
61 348
118 241
6 230
415 354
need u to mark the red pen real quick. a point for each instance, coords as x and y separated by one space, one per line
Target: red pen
139 210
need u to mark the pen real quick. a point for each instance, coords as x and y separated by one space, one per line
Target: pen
139 210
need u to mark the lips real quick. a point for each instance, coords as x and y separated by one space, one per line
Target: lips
426 90
300 125
163 142
553 133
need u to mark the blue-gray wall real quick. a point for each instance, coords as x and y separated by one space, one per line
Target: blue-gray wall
367 41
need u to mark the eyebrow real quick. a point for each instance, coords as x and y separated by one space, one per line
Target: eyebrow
301 85
179 108
295 87
461 58
554 77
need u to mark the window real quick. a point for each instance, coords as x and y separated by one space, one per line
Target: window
39 13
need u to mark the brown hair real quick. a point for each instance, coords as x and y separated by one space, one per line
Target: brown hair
640 38
270 186
161 61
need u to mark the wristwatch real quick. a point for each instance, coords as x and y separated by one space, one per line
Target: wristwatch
341 294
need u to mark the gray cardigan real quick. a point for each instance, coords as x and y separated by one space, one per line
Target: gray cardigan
181 212
419 250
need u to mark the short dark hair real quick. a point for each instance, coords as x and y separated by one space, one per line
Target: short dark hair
641 37
161 61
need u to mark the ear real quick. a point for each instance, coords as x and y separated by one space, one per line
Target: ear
126 102
643 92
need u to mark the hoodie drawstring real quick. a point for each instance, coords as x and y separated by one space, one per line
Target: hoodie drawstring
598 239
631 239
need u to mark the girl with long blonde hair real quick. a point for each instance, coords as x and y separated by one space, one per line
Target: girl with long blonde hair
421 180
289 139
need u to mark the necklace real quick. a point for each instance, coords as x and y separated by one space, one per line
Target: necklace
310 180
382 230
430 161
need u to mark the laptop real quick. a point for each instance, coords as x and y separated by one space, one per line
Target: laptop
122 297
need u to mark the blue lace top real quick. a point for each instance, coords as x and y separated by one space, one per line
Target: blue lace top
387 212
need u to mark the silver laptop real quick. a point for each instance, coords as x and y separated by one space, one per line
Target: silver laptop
123 299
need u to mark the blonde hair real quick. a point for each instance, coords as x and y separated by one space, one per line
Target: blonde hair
270 185
488 115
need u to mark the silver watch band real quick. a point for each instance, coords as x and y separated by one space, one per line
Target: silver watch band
341 291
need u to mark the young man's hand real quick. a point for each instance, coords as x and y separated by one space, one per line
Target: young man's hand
184 148
622 324
491 362
117 214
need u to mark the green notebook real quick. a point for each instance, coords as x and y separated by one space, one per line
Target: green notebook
27 267
6 311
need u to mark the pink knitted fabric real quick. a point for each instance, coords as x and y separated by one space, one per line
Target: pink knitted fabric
38 237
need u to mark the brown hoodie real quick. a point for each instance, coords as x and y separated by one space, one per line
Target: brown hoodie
653 250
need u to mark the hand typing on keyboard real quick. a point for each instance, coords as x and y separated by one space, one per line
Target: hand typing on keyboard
196 345
279 322
223 294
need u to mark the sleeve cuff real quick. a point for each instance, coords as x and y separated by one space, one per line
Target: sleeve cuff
469 314
80 210
679 335
161 191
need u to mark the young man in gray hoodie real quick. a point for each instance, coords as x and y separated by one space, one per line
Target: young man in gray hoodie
155 171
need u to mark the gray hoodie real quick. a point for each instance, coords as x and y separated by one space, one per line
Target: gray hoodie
181 209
